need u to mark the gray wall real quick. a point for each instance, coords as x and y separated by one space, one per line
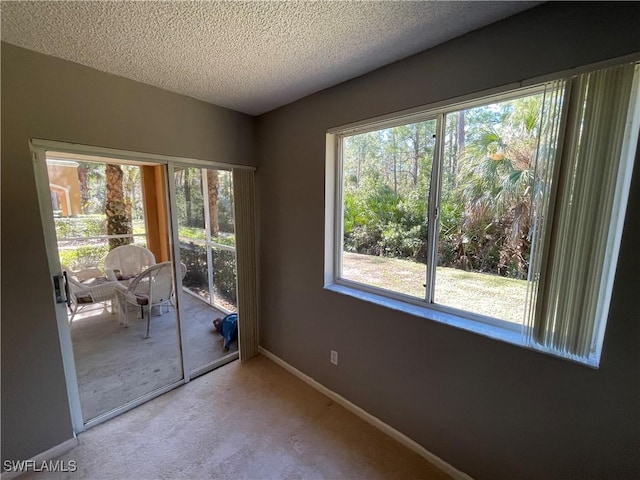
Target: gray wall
49 98
491 409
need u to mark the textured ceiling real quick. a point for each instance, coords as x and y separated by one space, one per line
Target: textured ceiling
248 56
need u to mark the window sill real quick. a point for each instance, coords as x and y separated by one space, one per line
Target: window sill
505 334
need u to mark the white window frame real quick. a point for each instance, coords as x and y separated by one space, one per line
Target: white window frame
480 324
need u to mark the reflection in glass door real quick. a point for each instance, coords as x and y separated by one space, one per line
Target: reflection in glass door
204 200
111 226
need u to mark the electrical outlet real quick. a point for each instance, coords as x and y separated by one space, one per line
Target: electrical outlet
334 357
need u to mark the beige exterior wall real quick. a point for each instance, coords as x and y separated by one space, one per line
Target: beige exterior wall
63 181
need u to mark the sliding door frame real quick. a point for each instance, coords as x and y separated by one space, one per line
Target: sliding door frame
40 148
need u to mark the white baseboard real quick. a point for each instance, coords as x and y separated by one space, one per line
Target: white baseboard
367 417
45 456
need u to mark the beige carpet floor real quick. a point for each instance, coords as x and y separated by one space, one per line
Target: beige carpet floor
241 421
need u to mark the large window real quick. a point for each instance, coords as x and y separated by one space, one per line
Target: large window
502 213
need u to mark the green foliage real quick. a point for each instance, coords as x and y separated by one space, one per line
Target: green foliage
450 239
225 201
189 197
192 233
190 200
224 274
488 180
83 257
224 270
387 182
381 222
225 239
81 226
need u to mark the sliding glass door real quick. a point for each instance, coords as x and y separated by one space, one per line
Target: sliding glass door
142 254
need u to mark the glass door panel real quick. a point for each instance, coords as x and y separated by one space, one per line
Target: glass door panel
204 200
104 217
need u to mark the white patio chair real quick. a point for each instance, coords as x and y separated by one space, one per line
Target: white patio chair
152 288
88 287
127 261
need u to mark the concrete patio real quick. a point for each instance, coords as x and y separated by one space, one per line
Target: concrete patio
115 365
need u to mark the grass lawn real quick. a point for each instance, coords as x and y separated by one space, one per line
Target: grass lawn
482 293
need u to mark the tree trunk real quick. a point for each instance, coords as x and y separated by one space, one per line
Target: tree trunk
84 186
361 155
416 155
461 142
395 163
118 222
450 152
212 187
129 185
187 197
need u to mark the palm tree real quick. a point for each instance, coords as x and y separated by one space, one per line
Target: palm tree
497 181
118 219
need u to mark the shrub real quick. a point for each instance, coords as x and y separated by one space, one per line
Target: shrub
224 270
82 257
81 226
